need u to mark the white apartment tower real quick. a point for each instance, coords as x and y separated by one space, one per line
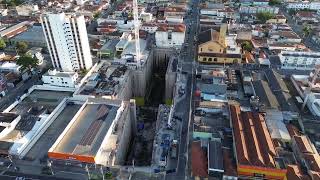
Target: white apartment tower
67 41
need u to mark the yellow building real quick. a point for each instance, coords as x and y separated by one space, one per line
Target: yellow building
213 48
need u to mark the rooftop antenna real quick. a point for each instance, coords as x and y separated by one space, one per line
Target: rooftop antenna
311 81
136 29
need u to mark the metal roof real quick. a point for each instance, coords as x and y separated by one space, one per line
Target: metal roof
215 157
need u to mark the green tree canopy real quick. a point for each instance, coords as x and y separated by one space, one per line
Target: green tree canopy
27 62
2 43
307 30
274 2
22 47
247 46
13 2
263 17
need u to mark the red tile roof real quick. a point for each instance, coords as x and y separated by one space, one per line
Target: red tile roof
294 173
199 161
293 130
253 142
303 144
313 161
173 27
230 168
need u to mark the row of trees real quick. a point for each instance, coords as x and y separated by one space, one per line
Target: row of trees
21 47
263 17
26 61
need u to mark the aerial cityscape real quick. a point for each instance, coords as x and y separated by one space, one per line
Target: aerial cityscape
159 89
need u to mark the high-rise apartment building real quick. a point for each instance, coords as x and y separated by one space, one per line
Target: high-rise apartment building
67 41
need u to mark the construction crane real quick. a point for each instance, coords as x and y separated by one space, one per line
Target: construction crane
314 75
136 29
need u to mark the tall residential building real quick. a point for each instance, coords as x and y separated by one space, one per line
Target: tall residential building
67 41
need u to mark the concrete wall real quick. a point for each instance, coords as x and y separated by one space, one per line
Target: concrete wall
171 77
124 137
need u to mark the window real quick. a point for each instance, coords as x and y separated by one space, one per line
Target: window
201 49
169 35
204 59
210 59
215 59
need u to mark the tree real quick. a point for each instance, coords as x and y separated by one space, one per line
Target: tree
263 17
306 30
108 175
27 62
274 2
292 12
96 15
2 43
247 46
22 47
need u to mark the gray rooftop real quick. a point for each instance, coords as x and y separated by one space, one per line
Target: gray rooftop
110 45
86 135
215 157
35 33
263 91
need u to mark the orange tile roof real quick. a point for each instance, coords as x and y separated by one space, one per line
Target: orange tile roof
293 130
314 175
253 141
313 161
174 27
303 144
294 173
229 168
199 161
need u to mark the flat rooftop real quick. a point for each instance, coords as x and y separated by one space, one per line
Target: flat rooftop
47 139
85 135
38 98
7 117
36 103
107 81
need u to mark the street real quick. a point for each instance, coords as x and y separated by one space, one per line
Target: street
186 62
17 91
299 30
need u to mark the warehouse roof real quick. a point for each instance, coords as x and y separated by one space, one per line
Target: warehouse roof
263 91
85 135
252 139
215 157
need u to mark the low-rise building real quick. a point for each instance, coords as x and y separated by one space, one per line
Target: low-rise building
27 9
33 36
170 35
100 134
255 153
15 29
214 47
301 60
258 9
60 79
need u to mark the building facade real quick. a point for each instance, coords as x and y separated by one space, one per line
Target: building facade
60 79
214 48
170 35
67 41
299 60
